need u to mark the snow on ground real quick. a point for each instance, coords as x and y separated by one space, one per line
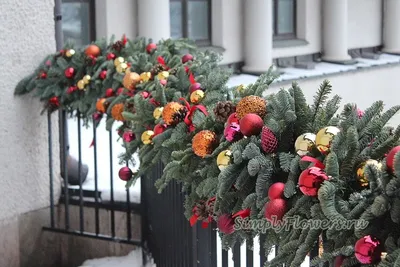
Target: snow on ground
133 259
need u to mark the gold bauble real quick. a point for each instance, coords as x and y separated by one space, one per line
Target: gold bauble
157 113
70 52
224 159
118 61
131 79
145 76
81 84
304 143
251 104
324 138
204 143
147 137
163 75
362 180
122 67
197 96
86 79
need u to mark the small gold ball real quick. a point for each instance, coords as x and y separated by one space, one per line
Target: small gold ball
145 76
122 67
118 61
70 52
147 137
163 75
324 138
304 143
81 85
197 96
86 79
157 113
224 159
361 178
241 88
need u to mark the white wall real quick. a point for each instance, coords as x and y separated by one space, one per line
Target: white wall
27 28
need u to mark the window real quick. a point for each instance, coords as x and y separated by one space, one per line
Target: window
78 21
284 18
191 19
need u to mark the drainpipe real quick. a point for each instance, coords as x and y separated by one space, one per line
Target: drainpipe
68 164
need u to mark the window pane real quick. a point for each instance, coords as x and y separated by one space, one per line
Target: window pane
285 16
198 20
175 11
76 23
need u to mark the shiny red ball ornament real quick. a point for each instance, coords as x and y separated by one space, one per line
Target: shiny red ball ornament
390 158
232 132
109 92
275 210
128 136
159 129
310 181
120 91
251 124
163 82
54 101
151 47
43 75
269 143
103 74
186 58
368 250
72 89
110 56
125 173
275 191
195 87
232 119
145 94
69 72
226 224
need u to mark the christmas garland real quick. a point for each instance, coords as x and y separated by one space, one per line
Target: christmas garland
300 175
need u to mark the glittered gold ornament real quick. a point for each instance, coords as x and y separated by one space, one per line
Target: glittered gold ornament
116 112
81 84
101 105
131 79
173 113
157 113
163 75
197 96
361 178
145 76
324 138
251 104
204 143
122 67
304 143
86 79
224 159
118 61
147 137
70 52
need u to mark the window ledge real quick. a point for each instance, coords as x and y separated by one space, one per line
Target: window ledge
289 43
217 49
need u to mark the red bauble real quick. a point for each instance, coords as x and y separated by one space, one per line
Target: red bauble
92 50
186 58
120 91
159 129
125 174
43 75
54 101
390 158
69 72
251 124
145 94
71 89
110 56
128 136
109 92
232 132
151 47
368 250
194 87
232 119
226 224
310 181
103 74
163 82
275 210
269 143
276 191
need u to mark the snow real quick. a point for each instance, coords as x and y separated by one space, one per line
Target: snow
133 259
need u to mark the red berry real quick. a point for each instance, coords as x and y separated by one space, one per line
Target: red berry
69 72
151 47
110 56
109 92
103 74
186 58
120 90
159 129
163 82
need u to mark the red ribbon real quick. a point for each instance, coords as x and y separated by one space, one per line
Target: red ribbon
124 39
242 213
191 78
316 162
161 60
191 110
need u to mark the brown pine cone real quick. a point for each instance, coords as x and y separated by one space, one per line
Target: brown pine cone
200 210
157 69
117 46
223 109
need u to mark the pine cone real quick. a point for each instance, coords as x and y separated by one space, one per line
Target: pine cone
157 69
117 46
223 110
200 210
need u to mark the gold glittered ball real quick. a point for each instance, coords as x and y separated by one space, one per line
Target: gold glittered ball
163 75
361 178
173 113
145 76
304 143
204 143
86 79
121 68
251 104
147 137
224 159
70 52
118 61
81 84
131 79
157 113
116 112
324 138
197 96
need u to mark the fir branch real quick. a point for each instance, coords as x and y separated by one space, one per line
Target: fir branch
319 99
